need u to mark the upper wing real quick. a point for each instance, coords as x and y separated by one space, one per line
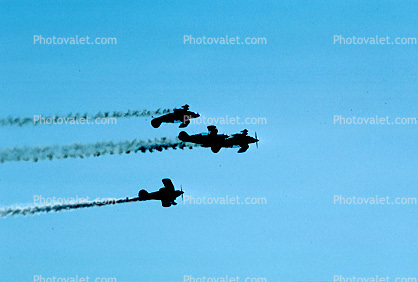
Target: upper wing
168 184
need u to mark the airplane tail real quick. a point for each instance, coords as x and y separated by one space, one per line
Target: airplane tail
143 195
183 136
156 122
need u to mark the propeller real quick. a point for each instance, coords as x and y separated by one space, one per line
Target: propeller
256 142
181 188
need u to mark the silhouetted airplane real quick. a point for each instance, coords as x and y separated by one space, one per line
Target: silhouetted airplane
241 140
167 195
212 139
182 115
216 141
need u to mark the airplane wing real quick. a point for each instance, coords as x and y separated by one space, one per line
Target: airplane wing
243 148
168 184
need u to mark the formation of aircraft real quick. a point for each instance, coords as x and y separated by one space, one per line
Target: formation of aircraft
182 115
217 141
167 195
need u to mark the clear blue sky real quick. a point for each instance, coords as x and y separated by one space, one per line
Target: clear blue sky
298 81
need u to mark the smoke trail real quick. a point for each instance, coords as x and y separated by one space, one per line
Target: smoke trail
78 150
14 211
73 119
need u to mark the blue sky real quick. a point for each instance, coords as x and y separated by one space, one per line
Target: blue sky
298 81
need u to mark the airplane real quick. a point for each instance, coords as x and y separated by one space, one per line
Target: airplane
241 140
217 141
212 139
167 195
182 115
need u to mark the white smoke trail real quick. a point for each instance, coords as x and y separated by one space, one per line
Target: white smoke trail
31 210
70 118
78 150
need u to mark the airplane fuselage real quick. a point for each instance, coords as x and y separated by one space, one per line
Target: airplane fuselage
179 116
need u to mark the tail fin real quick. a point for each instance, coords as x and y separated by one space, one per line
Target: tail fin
143 195
183 136
156 122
